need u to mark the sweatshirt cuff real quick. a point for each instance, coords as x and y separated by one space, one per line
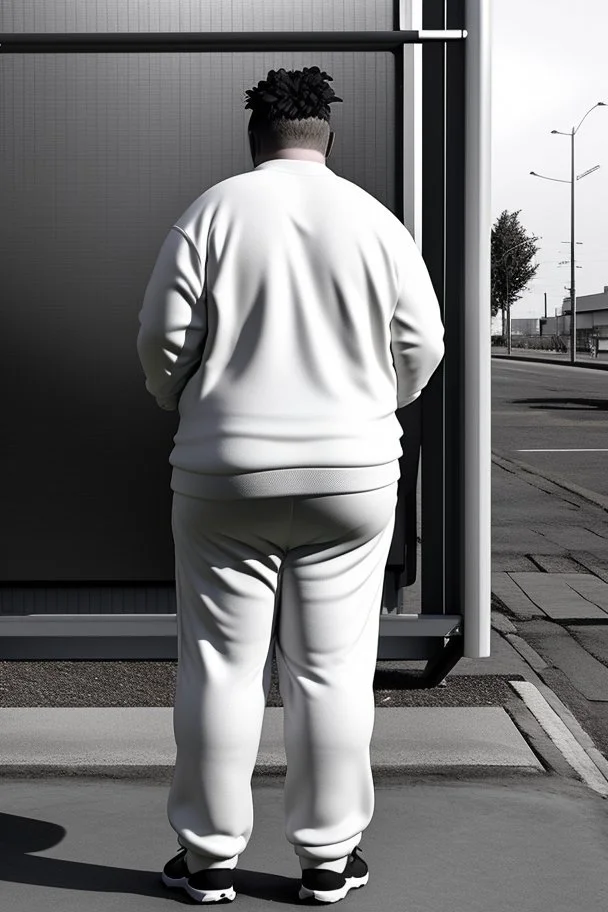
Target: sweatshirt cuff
409 400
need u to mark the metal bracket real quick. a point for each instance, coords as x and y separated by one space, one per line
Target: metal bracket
437 668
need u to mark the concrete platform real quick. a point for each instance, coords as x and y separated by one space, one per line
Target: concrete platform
65 741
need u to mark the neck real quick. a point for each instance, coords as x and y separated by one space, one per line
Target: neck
306 154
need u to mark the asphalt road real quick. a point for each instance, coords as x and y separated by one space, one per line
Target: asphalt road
553 417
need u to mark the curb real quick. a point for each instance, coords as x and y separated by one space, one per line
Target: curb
574 745
592 366
559 724
529 655
269 773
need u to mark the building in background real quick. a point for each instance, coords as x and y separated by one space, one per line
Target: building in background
591 317
526 326
591 320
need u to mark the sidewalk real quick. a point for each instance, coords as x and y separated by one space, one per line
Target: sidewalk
550 577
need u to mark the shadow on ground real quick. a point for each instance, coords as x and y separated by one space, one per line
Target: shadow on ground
20 836
569 403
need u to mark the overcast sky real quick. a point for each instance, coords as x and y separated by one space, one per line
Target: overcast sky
549 67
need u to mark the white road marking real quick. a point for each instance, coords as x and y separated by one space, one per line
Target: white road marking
562 737
570 450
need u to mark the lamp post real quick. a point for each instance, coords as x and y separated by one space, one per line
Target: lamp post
508 306
572 264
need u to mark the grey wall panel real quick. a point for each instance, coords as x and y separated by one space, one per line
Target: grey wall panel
195 15
99 155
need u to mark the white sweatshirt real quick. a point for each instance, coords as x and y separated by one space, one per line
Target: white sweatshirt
289 313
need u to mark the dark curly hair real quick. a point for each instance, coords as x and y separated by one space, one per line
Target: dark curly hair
290 108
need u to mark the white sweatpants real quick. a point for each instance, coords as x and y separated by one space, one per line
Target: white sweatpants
303 574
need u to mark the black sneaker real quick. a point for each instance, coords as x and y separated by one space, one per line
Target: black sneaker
212 885
329 886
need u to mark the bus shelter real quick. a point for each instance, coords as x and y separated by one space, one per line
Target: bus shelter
102 149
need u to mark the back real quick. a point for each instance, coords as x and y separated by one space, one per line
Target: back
313 318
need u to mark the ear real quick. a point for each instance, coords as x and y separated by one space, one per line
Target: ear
330 143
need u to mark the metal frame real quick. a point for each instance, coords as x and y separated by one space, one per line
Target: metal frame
155 42
456 233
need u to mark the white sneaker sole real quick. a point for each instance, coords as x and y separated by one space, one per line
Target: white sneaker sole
202 896
331 896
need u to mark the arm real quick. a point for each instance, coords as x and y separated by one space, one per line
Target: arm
416 328
173 320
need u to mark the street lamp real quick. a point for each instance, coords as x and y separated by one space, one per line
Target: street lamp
572 264
508 306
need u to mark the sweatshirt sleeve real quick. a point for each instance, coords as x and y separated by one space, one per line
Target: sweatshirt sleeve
173 320
416 328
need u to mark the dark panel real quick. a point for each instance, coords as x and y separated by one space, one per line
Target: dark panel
433 251
101 154
100 648
19 599
454 309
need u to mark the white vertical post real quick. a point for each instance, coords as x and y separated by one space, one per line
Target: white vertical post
416 23
410 19
476 333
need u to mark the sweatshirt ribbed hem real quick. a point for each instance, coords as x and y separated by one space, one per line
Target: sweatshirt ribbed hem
285 482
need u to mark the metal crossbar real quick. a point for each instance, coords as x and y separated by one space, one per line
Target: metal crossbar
113 42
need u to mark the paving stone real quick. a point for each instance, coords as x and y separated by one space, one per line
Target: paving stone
593 638
600 526
571 537
555 644
595 563
513 597
512 562
590 587
516 539
553 593
553 563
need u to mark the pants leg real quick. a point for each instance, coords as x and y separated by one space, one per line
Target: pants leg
326 648
226 570
332 552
